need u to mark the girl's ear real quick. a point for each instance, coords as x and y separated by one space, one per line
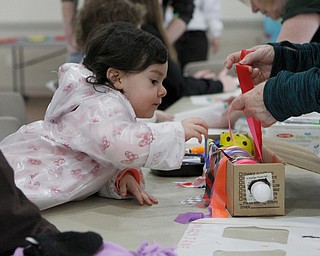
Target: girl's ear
115 75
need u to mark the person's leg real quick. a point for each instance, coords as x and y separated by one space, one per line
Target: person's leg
19 217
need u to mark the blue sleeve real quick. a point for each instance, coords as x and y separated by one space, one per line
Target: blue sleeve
295 57
293 94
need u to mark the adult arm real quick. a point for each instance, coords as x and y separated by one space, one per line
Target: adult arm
293 94
179 85
308 23
300 16
111 136
213 16
195 86
68 14
183 10
295 57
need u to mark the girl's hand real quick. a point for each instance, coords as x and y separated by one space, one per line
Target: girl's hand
129 186
194 128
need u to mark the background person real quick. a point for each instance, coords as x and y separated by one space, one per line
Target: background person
183 11
202 34
297 15
69 13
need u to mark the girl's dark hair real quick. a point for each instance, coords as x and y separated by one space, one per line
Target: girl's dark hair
122 46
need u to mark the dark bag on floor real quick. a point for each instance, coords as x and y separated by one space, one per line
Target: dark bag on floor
63 244
19 217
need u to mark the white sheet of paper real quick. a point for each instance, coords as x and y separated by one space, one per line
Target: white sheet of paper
205 237
208 99
208 113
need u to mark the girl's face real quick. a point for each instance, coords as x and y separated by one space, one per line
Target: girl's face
144 90
271 8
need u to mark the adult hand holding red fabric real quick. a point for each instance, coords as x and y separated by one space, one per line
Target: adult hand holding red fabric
253 105
246 85
260 58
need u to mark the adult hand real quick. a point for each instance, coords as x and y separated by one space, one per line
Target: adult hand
252 104
261 60
128 185
194 128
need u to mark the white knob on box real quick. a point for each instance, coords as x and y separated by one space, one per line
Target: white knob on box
261 191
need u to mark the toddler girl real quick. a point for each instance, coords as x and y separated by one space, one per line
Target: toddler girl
90 140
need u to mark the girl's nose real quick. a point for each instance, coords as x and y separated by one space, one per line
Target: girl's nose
162 91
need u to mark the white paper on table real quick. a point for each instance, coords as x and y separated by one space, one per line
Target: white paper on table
205 237
208 99
209 113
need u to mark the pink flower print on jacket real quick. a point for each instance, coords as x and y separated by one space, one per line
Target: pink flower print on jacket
32 184
80 156
33 175
147 138
34 147
131 157
105 143
34 161
155 158
76 174
118 131
57 172
95 171
58 162
67 145
55 190
67 88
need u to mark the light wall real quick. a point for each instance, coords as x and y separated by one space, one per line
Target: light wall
48 11
43 17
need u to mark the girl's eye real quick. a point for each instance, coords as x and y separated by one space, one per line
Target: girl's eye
154 82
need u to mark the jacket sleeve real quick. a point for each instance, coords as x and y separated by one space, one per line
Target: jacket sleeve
293 94
178 85
107 131
295 57
196 86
